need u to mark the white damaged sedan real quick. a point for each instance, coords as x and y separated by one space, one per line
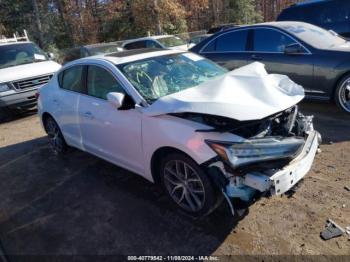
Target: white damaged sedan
177 119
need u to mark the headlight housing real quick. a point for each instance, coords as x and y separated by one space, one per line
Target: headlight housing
257 150
4 87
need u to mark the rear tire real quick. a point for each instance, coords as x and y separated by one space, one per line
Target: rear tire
187 185
56 139
342 94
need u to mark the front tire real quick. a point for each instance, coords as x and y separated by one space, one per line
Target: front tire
187 185
342 94
56 139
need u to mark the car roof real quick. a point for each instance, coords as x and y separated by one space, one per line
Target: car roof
279 24
132 55
100 45
309 2
154 37
282 25
16 43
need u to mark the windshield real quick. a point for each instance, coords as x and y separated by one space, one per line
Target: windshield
103 49
164 75
19 54
171 41
315 36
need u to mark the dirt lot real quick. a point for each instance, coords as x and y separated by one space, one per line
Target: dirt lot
82 205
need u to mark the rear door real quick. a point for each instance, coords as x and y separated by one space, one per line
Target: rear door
228 49
65 103
108 132
268 48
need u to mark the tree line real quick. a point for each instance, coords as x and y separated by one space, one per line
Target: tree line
66 23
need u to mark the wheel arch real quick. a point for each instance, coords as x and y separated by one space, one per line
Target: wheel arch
157 157
45 116
337 82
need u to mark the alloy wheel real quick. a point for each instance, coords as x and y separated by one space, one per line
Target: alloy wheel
54 134
344 95
184 185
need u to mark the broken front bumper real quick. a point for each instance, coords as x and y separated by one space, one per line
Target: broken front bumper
283 180
280 181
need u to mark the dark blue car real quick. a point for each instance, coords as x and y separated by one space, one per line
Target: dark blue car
329 14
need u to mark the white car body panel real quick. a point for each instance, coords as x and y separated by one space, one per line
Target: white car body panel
174 132
233 95
112 134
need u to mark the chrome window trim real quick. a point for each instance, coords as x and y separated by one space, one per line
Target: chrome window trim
200 51
308 52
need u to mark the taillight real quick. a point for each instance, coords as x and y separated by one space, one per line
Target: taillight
37 94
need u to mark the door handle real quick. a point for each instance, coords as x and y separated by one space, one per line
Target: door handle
88 114
256 57
55 101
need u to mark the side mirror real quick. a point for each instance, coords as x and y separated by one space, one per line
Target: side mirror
51 55
294 49
116 99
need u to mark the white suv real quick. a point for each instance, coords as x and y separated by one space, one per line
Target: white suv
24 67
184 122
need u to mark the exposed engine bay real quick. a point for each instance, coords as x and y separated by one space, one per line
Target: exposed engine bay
278 152
287 123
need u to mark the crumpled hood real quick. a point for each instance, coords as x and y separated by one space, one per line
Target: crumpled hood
28 70
247 93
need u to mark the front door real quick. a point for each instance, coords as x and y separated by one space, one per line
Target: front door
268 48
112 134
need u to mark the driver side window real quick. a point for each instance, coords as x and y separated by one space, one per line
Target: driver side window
100 82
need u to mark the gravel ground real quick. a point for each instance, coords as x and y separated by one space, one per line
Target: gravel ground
82 205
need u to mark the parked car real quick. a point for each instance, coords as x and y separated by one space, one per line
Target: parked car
198 38
313 57
329 14
24 67
184 122
90 50
221 28
159 41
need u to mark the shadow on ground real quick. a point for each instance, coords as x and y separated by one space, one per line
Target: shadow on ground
83 205
8 115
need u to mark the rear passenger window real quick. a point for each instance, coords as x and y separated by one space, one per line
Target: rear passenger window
152 44
135 45
71 79
100 82
234 41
